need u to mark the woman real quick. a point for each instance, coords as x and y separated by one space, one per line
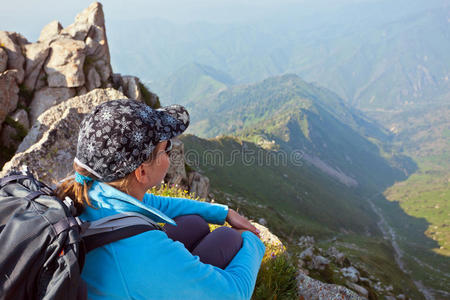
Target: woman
122 152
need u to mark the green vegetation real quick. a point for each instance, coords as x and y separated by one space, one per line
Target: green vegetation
25 93
6 153
276 279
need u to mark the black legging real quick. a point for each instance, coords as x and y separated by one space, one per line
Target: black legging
216 248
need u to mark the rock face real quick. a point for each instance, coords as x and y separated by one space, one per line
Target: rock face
11 42
47 97
65 65
35 55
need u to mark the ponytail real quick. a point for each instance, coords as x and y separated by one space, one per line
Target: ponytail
76 191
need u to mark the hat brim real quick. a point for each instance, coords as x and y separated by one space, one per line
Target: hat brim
174 121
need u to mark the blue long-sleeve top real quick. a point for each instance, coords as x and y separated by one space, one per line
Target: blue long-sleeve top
152 266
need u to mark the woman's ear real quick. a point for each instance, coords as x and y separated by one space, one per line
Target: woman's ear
140 174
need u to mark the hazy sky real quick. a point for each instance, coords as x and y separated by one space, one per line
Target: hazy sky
29 17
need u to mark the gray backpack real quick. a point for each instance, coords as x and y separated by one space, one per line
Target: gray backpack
43 244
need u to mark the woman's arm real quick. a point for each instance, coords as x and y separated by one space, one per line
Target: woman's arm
174 207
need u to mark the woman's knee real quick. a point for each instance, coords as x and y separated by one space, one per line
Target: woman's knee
219 247
190 230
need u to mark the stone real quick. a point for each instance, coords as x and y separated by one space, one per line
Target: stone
176 174
131 87
83 104
64 68
35 56
93 79
351 273
10 43
338 257
9 93
93 15
50 31
313 289
198 184
47 97
3 60
52 157
9 134
357 288
262 221
268 237
307 254
306 241
318 263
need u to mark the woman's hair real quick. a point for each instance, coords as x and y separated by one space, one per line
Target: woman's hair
79 192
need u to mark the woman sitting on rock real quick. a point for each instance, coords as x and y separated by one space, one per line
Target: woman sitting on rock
122 151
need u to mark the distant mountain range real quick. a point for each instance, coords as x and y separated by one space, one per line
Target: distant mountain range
375 55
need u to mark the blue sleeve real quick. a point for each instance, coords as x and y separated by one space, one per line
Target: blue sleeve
176 274
174 207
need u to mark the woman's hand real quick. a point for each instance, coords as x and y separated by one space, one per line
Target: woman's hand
240 223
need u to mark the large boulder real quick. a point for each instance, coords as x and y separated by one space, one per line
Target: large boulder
83 104
35 56
176 174
51 155
65 65
131 87
9 93
198 184
50 32
312 289
11 42
47 97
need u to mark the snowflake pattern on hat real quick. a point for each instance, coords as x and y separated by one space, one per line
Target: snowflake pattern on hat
119 135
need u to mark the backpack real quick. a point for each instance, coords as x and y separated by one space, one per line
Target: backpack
43 243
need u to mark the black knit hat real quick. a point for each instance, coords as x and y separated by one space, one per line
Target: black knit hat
119 135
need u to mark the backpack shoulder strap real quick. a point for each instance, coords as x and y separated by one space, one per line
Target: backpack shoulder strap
113 228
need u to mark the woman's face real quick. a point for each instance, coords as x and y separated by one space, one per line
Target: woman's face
158 167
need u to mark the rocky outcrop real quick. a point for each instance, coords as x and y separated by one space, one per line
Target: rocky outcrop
63 63
35 56
47 97
11 42
312 289
198 184
50 31
332 264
